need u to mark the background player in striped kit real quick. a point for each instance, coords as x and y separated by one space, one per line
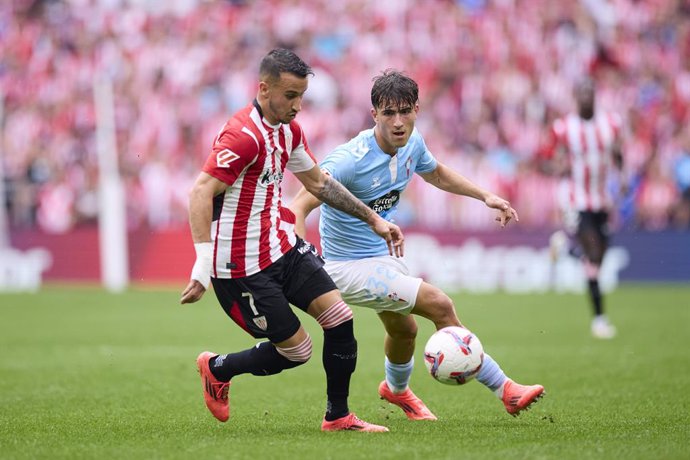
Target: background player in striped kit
246 245
585 149
376 166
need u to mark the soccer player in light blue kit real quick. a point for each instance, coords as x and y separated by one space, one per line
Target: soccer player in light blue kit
376 166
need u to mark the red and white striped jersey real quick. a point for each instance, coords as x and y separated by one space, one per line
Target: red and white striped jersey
251 229
589 148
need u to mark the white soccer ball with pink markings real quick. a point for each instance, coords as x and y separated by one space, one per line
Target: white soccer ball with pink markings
453 355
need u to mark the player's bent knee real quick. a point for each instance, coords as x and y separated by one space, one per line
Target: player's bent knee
443 311
411 331
402 330
406 334
300 353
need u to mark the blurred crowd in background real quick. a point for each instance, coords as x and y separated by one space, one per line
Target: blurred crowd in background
493 76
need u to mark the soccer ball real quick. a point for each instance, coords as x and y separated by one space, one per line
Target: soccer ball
453 355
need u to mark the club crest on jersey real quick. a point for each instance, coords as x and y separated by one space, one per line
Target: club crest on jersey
261 322
268 177
225 157
385 202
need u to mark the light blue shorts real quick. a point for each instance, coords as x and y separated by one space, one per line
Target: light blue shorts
380 283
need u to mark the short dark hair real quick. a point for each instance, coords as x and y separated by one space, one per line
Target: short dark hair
281 60
394 87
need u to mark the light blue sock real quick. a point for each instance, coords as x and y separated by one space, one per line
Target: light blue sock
398 375
491 375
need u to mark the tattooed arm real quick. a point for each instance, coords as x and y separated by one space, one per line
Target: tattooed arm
333 193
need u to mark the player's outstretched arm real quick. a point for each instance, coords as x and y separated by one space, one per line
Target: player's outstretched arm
450 181
301 206
333 193
200 215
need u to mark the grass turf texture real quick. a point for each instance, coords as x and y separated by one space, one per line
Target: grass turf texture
86 374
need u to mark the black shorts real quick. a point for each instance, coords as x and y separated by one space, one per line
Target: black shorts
260 303
590 222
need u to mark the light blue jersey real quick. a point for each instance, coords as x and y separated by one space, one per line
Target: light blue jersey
377 179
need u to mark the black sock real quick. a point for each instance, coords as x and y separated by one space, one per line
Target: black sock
595 296
263 359
339 361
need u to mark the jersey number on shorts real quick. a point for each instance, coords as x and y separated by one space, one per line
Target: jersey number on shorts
251 302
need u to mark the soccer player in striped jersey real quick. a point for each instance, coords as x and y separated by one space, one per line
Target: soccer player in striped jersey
586 148
376 166
246 247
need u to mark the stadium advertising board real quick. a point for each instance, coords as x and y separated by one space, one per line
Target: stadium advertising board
513 261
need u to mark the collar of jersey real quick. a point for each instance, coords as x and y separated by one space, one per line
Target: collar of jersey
261 114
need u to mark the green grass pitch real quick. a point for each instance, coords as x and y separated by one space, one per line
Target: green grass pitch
86 374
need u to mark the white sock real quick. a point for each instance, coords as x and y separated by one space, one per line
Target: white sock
499 391
398 375
492 376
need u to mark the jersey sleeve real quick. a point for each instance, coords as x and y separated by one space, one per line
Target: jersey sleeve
427 162
340 165
301 158
552 139
232 152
